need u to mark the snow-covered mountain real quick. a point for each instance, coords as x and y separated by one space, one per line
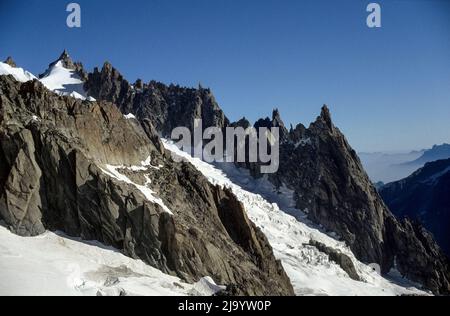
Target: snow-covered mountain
64 81
18 73
98 170
61 77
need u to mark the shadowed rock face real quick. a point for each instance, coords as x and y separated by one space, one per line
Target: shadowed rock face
52 154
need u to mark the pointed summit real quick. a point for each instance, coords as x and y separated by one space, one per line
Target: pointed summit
10 62
66 60
65 54
276 118
278 122
326 116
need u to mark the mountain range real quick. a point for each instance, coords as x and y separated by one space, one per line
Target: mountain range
84 154
438 152
389 167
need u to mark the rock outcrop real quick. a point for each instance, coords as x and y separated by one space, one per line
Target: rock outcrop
56 155
339 258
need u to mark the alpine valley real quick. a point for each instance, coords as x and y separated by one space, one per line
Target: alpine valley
93 203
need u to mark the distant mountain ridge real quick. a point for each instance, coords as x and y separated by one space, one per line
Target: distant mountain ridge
438 152
424 197
390 167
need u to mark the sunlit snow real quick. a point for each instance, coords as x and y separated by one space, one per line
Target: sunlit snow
311 272
53 264
150 195
64 82
18 73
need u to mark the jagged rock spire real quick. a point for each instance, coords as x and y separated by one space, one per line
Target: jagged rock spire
276 118
325 116
67 63
66 60
278 122
10 62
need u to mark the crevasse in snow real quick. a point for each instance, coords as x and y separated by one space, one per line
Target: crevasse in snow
311 272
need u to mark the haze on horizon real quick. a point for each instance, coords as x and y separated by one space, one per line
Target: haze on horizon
388 89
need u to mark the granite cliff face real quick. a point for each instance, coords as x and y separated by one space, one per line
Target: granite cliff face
67 165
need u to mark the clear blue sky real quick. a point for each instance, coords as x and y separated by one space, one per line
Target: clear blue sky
388 88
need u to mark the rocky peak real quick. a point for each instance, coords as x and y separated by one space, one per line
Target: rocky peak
10 62
325 116
278 122
107 67
67 63
166 106
139 85
66 60
276 118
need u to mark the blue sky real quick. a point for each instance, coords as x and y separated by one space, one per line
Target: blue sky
388 88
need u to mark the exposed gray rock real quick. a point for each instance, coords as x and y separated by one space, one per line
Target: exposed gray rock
338 257
53 150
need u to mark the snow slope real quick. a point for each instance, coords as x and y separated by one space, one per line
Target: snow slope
150 195
52 264
18 73
65 82
310 271
58 79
